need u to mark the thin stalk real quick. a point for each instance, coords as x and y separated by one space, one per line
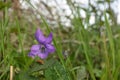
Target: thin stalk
11 72
20 42
83 37
110 36
108 69
87 58
2 40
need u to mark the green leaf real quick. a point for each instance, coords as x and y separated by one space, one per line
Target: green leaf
81 73
56 72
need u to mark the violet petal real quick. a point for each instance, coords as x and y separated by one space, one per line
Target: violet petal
39 36
49 38
50 48
35 47
34 50
43 55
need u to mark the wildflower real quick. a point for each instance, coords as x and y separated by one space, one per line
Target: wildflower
44 47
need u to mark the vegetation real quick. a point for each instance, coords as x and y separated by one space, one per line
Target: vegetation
85 49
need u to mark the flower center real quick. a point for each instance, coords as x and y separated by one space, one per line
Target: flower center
42 49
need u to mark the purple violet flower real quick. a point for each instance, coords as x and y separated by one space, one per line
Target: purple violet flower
44 47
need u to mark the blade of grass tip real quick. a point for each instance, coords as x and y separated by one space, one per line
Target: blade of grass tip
110 37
